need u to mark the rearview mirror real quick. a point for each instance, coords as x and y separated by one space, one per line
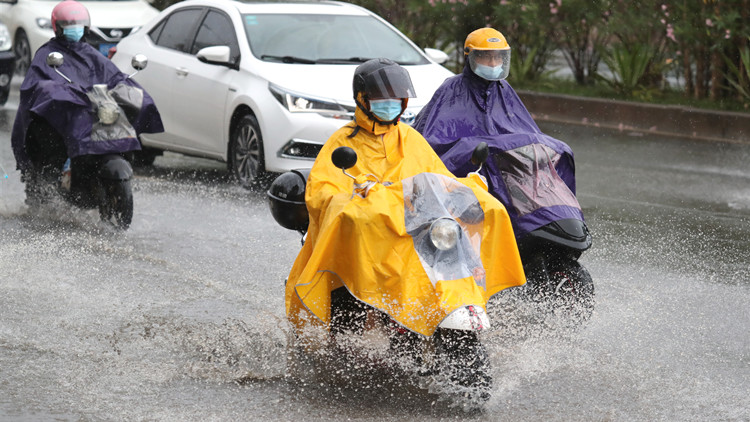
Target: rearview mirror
55 59
139 62
344 158
480 154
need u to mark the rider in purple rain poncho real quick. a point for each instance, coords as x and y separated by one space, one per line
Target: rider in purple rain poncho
531 173
64 106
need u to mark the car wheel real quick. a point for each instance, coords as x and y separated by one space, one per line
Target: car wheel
4 92
246 151
22 49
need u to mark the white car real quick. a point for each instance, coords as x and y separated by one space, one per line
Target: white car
262 86
29 23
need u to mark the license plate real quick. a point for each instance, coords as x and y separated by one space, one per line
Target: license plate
104 48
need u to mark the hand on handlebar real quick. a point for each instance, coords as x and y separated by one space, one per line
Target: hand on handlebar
363 185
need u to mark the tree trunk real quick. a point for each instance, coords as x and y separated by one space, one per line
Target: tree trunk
743 80
700 72
717 75
687 70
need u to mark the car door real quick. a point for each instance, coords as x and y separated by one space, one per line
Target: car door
201 89
172 38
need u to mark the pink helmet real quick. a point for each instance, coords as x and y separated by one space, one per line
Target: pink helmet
67 13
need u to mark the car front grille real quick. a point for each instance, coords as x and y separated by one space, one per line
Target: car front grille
110 35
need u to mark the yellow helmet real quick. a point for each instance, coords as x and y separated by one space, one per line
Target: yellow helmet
485 39
488 54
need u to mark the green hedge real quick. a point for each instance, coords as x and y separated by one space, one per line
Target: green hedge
698 43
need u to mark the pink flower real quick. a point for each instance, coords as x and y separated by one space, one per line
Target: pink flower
728 34
670 32
664 7
709 23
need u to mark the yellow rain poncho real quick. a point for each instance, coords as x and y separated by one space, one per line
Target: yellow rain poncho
364 244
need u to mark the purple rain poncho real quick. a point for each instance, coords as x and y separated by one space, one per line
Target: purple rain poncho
67 107
531 173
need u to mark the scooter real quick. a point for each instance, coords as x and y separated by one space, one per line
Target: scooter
101 180
536 196
452 362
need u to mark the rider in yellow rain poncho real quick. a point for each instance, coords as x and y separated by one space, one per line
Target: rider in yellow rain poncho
361 241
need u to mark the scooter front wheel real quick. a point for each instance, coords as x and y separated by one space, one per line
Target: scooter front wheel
116 204
573 290
463 374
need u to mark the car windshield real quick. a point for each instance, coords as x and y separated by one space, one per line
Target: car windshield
330 39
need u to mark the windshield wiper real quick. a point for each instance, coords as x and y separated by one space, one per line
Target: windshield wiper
344 60
287 59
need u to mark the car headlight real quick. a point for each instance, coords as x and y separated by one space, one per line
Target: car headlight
5 42
44 23
444 233
300 103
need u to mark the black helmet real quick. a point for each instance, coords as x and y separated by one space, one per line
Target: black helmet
286 199
382 78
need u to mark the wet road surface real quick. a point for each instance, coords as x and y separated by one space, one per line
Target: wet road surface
181 318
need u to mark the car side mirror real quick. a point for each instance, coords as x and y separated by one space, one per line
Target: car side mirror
438 56
344 158
218 54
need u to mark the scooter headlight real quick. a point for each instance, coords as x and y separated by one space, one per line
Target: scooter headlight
108 113
444 233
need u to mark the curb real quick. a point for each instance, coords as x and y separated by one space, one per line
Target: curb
676 121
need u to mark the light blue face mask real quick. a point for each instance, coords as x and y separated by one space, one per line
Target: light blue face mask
73 33
488 72
386 110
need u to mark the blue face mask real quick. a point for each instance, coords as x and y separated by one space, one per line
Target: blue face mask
386 110
488 72
73 33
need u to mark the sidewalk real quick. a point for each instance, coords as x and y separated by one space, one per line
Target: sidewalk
639 117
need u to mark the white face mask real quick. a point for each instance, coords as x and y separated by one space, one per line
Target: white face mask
387 109
489 73
73 33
